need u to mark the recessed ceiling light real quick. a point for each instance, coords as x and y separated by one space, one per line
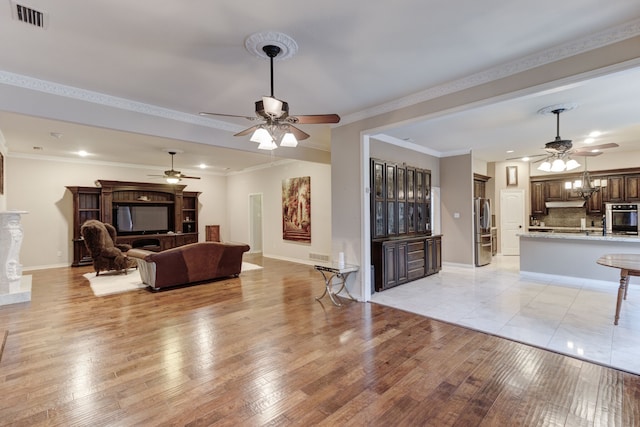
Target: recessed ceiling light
595 134
202 166
525 159
509 151
82 153
595 151
589 140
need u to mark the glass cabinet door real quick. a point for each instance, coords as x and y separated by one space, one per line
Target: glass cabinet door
391 182
400 179
391 218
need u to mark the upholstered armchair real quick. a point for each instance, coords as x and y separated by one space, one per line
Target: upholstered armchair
100 240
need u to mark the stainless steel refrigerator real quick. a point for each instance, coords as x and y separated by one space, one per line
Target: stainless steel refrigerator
482 230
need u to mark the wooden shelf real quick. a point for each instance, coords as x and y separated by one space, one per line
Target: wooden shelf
98 203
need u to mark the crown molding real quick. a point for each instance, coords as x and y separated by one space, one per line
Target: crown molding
30 83
563 51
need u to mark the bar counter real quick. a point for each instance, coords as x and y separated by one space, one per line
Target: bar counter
572 254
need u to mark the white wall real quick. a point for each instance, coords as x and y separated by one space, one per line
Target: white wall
39 187
268 182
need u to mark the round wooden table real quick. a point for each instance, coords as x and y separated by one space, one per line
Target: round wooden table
629 265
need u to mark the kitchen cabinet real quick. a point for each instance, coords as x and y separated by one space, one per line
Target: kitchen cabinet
538 198
480 185
594 203
615 189
631 189
554 191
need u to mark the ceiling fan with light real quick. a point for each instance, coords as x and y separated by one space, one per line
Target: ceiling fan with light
277 126
559 152
173 176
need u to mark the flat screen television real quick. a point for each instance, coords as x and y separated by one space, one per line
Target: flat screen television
141 219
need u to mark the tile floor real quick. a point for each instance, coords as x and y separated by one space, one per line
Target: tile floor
563 315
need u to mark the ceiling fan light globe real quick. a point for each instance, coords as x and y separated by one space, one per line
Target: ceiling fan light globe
572 164
173 180
545 166
289 140
271 145
558 165
261 135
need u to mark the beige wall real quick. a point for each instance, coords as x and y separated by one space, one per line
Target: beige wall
456 193
268 182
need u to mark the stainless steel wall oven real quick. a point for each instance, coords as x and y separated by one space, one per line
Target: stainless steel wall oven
622 218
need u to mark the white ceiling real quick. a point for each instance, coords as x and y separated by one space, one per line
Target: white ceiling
179 58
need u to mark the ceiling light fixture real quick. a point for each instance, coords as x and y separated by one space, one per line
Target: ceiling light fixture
558 164
269 135
586 187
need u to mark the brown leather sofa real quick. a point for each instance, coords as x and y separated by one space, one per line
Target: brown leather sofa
188 264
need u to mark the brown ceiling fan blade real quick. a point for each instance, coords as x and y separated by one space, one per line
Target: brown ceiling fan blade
314 119
588 148
587 153
247 131
189 177
300 135
204 113
531 156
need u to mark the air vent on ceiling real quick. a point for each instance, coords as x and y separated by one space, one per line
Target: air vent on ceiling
29 16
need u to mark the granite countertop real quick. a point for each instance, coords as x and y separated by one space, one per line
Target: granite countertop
567 229
582 236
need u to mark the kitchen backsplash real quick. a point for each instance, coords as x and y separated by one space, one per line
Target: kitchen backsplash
568 217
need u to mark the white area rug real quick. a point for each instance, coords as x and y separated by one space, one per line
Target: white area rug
111 282
247 266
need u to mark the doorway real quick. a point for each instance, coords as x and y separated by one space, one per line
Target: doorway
512 220
255 223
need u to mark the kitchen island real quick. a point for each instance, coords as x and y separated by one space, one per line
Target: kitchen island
572 254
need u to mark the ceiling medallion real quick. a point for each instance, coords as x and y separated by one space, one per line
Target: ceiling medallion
558 107
256 41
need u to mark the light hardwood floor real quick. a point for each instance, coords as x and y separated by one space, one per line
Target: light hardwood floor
259 350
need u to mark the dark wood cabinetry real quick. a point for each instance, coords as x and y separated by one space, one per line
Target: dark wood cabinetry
401 224
480 185
631 190
615 189
400 200
402 260
212 233
622 185
538 198
99 203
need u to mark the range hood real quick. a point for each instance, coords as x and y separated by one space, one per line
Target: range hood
567 204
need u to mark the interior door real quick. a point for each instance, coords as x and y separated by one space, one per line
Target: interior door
255 222
512 220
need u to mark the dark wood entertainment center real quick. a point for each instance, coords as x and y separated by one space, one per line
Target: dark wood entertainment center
98 203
